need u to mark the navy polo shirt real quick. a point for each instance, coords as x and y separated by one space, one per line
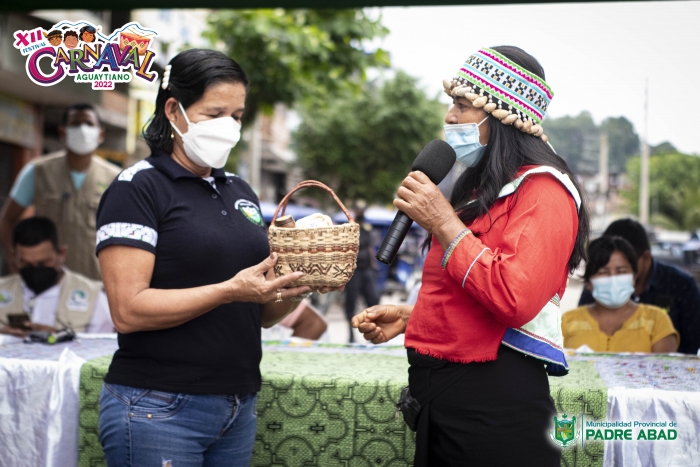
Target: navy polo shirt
201 233
675 291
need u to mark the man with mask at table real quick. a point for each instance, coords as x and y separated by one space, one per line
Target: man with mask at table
65 187
52 296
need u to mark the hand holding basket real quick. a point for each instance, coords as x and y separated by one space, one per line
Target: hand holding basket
326 255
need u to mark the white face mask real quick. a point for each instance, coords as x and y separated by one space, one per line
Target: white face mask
613 291
464 139
208 143
83 139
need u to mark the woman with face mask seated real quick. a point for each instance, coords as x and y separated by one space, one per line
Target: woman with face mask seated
615 323
190 280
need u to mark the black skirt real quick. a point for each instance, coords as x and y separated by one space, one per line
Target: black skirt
498 414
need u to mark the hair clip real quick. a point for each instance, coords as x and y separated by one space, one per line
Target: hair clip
166 77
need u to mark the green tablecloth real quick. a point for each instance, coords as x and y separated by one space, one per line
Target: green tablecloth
337 408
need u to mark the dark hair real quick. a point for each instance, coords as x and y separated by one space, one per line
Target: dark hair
54 33
601 249
632 231
70 33
89 29
35 230
191 73
507 151
79 108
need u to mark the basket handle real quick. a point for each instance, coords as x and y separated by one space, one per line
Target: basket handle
307 184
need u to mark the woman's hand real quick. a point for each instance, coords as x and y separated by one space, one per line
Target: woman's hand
422 201
381 323
258 284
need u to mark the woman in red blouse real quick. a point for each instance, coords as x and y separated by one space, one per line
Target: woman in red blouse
500 253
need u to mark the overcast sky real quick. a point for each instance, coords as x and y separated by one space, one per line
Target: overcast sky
596 56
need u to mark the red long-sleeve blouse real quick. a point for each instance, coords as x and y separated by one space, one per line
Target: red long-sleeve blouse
499 277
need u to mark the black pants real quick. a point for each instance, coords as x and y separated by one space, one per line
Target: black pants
498 414
363 283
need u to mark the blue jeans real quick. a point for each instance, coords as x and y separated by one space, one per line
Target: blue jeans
142 427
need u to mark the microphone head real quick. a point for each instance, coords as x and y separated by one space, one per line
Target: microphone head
435 160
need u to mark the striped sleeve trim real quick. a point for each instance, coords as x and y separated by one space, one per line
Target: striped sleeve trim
127 231
453 245
472 265
128 174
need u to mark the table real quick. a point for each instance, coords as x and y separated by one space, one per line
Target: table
333 405
39 399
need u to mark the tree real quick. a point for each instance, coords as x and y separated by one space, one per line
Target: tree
575 139
364 146
292 55
674 188
623 142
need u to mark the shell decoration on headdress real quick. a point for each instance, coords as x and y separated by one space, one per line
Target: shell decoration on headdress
504 89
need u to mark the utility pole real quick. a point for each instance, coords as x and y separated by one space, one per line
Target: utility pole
644 178
603 174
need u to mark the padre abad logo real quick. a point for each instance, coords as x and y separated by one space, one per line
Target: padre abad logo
81 50
250 211
565 432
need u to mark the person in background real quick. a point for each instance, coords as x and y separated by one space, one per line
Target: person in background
65 187
364 280
52 296
614 322
691 248
661 285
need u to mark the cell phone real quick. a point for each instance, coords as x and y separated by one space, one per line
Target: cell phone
17 320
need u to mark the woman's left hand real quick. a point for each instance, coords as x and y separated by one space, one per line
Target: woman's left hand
421 200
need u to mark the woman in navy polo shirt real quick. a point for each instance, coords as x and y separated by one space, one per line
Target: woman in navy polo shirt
188 272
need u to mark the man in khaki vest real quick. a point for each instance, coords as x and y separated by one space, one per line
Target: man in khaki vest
45 296
65 187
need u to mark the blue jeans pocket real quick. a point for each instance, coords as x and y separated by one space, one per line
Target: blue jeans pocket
148 403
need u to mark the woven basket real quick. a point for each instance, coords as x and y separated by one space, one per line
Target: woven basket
327 255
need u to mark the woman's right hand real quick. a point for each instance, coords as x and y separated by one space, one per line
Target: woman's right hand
381 323
258 284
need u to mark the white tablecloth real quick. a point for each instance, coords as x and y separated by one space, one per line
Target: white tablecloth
39 400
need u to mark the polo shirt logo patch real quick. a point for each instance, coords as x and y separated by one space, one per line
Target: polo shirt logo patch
250 211
77 301
5 298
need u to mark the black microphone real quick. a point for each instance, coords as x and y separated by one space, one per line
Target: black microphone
435 160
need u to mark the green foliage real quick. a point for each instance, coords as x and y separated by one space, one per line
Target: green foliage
364 146
577 141
623 142
674 190
293 55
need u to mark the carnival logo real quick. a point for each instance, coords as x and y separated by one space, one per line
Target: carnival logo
80 50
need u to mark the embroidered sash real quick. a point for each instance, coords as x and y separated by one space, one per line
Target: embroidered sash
542 337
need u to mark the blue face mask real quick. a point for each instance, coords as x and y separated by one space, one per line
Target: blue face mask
613 291
464 139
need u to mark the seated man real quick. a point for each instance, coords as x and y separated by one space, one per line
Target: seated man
661 285
45 296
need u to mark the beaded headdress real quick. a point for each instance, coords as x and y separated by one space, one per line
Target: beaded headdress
504 89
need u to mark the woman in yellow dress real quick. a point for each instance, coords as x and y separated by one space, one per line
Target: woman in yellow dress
615 323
